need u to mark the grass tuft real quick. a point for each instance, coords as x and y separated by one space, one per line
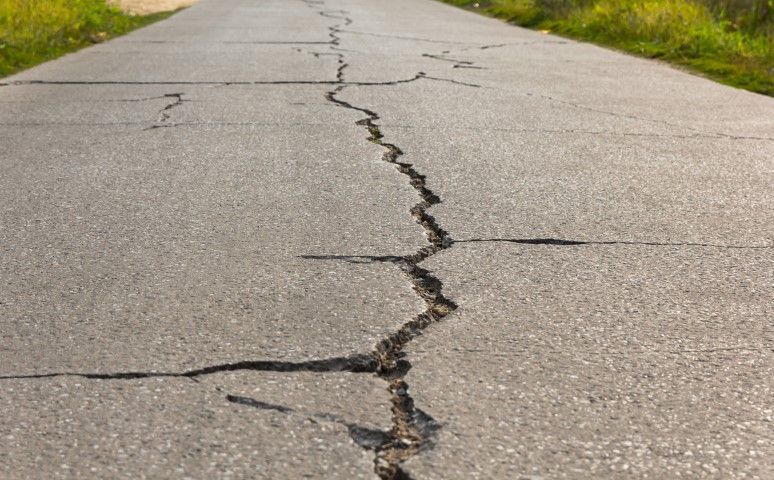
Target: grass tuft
730 41
33 31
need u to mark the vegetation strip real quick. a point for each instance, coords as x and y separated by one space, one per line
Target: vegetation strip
34 31
730 41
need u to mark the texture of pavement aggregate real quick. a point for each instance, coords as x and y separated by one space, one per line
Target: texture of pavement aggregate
360 239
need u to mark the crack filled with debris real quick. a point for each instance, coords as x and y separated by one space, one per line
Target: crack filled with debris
412 429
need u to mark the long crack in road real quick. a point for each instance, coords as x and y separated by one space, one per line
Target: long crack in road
579 285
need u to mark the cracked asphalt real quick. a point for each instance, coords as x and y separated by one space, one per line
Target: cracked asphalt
396 240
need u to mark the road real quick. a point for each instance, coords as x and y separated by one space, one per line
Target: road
360 239
145 7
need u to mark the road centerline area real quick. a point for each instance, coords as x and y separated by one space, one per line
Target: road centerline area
220 211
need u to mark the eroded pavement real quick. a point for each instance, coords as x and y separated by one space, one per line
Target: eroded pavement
354 239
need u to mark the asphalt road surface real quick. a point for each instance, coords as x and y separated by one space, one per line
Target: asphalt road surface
359 238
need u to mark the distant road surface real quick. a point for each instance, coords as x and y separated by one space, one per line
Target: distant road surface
381 239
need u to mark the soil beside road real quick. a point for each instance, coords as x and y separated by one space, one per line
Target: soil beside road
146 7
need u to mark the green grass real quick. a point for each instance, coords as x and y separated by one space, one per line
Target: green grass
730 41
33 31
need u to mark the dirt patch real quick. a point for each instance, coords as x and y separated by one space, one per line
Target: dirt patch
144 7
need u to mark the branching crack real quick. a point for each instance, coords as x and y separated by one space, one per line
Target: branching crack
165 112
412 429
456 63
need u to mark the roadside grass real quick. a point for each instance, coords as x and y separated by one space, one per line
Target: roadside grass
33 31
730 41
